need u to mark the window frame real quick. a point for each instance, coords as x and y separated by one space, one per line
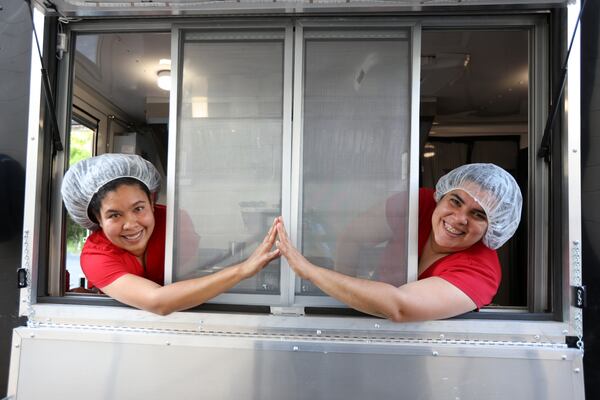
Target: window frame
177 43
539 176
537 200
292 148
413 29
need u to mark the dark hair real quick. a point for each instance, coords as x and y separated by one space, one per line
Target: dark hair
96 202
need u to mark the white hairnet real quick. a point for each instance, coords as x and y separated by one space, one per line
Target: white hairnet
495 190
84 179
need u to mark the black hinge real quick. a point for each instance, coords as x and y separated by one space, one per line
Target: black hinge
22 278
578 296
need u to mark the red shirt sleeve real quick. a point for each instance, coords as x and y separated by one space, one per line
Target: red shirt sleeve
475 271
103 263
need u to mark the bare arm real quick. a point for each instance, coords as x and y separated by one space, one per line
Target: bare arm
147 295
427 299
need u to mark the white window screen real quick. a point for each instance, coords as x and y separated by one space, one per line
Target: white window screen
356 129
229 157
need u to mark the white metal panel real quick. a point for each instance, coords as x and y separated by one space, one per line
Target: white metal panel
33 173
543 332
61 363
179 7
573 170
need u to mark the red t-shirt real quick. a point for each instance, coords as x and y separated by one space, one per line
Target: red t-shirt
476 271
102 262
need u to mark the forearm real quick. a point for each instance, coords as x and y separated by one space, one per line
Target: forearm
371 297
193 292
142 293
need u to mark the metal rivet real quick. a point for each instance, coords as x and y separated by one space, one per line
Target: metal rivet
17 346
564 357
295 348
442 336
435 353
318 331
168 343
565 332
32 335
377 326
574 150
537 337
576 370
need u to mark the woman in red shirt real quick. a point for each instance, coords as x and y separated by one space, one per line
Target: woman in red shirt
474 210
114 196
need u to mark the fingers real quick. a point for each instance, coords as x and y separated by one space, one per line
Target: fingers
273 231
274 254
272 234
281 228
282 233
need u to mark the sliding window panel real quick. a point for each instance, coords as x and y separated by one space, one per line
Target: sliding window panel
356 131
228 178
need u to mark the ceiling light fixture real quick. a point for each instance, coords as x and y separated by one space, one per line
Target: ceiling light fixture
163 79
429 150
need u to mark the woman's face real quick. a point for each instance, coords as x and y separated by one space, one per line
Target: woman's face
458 222
127 218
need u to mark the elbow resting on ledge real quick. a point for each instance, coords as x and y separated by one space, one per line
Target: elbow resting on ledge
156 304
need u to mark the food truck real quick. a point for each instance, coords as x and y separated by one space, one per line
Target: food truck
315 110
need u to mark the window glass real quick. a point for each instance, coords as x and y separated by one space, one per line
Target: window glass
229 157
355 147
81 146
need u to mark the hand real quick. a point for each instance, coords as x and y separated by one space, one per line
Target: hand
297 262
262 255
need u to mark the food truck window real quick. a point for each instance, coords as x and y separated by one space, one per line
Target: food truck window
476 108
348 153
313 122
115 106
229 152
355 152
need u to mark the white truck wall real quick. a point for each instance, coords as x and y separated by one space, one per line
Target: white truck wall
74 363
15 45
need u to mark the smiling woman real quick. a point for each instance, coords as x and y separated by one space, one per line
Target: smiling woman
114 195
474 210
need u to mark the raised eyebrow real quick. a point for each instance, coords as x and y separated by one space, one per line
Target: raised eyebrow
458 197
479 210
134 205
110 211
